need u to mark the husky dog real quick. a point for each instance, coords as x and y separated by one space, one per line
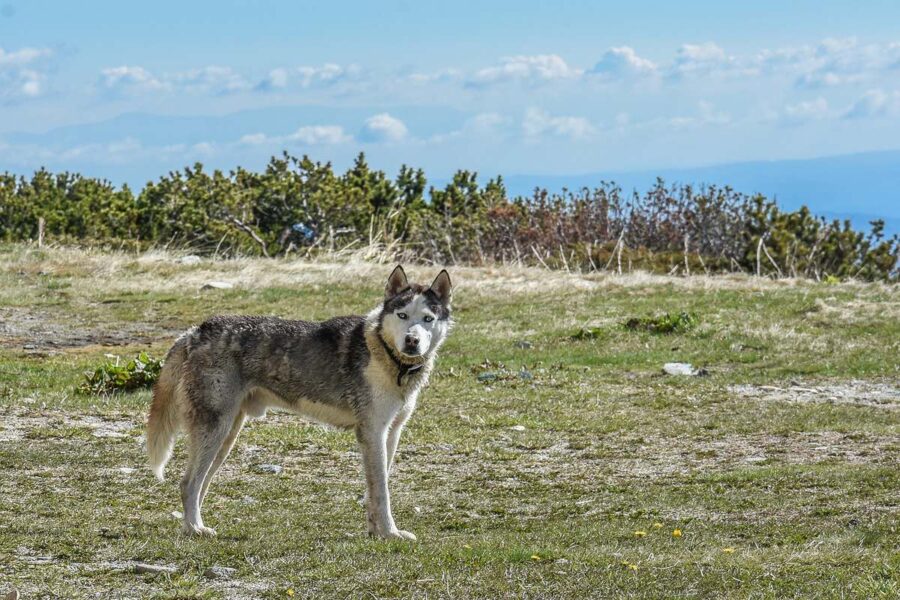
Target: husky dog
359 372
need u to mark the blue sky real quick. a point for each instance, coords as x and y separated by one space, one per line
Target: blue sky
129 90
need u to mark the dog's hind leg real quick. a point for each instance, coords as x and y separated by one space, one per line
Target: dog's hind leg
206 440
227 445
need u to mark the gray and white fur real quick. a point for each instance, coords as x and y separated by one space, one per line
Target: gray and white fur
359 372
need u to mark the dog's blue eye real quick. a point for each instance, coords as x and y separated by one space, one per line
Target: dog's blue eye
402 316
428 319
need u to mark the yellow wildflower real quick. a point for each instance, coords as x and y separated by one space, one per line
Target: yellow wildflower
290 591
640 533
467 547
676 533
728 550
657 525
535 557
632 567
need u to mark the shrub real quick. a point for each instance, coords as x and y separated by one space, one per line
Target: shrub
297 205
139 372
667 323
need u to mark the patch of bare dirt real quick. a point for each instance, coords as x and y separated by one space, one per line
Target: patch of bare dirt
36 331
14 427
854 392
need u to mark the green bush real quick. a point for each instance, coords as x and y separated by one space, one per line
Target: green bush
667 323
296 205
110 377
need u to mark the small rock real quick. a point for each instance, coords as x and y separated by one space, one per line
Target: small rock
29 347
177 514
417 510
525 375
561 561
487 376
217 285
218 572
517 428
141 568
275 469
679 369
126 470
190 259
524 345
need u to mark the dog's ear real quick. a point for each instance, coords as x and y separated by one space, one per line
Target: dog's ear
441 287
396 282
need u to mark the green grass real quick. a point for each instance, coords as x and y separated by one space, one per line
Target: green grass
803 488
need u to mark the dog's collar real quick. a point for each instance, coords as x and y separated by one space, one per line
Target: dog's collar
402 368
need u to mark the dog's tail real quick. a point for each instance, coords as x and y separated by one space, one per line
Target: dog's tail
163 422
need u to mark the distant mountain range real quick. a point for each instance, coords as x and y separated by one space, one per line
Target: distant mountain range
859 187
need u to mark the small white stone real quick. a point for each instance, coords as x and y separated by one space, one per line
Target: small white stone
517 428
141 568
678 369
274 469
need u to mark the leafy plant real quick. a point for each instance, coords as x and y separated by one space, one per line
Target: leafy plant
139 372
588 333
667 323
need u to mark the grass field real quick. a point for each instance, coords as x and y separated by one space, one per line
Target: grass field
779 469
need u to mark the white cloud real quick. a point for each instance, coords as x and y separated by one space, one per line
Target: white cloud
307 77
623 62
135 80
320 134
528 69
130 79
441 76
325 75
707 114
803 112
487 126
875 103
700 59
254 139
538 123
383 128
835 62
204 148
276 79
487 123
20 77
22 57
211 80
31 84
308 135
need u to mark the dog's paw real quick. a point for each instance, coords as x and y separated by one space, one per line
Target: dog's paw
198 530
396 534
407 535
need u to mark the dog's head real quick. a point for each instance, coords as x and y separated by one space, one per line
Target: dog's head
415 319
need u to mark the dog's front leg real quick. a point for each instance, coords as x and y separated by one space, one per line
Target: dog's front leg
373 445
